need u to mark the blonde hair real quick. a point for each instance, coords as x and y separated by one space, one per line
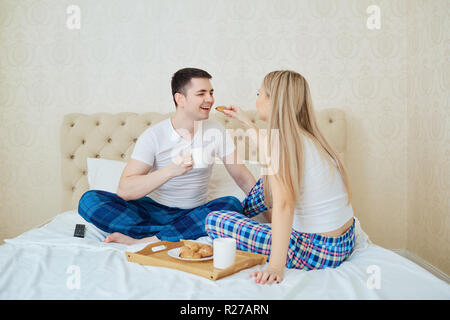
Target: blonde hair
292 113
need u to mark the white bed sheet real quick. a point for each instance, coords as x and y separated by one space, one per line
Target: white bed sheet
41 264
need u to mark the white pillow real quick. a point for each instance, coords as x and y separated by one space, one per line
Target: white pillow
104 174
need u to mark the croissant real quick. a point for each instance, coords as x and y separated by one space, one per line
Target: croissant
206 251
221 108
192 245
195 250
186 253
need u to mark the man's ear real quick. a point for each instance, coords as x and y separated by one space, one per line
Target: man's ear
180 99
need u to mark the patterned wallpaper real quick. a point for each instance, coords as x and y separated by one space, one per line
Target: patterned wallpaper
428 113
123 54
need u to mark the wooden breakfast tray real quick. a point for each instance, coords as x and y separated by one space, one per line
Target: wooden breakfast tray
205 269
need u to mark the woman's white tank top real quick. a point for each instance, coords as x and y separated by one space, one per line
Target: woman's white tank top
323 198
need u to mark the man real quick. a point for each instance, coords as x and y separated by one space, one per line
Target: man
162 167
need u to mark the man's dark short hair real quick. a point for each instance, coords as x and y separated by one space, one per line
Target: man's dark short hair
182 78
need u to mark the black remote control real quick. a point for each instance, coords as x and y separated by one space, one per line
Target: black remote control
79 230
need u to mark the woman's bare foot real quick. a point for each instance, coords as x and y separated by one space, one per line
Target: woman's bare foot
118 237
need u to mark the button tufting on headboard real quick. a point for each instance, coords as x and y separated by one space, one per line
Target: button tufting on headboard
121 131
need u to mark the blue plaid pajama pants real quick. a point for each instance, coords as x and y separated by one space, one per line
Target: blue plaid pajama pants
145 217
307 251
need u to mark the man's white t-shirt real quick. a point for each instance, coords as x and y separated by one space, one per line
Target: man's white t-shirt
159 145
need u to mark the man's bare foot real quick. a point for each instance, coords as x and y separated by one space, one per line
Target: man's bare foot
118 237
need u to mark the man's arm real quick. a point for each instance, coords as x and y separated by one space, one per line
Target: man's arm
136 181
239 172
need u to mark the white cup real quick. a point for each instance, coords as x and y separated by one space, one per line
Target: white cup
224 252
198 156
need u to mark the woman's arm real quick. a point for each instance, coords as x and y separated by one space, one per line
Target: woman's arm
282 217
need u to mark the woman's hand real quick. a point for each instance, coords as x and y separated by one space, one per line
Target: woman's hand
269 276
236 113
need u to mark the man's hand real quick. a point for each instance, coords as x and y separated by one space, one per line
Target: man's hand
182 164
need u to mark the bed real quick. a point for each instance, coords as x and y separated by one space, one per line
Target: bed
47 262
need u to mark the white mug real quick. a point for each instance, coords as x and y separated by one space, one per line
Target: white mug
198 156
224 252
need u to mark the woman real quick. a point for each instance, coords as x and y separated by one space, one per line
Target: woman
312 225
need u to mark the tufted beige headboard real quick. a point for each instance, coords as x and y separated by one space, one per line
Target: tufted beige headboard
112 136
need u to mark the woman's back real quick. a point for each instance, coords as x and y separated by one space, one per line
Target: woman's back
322 206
